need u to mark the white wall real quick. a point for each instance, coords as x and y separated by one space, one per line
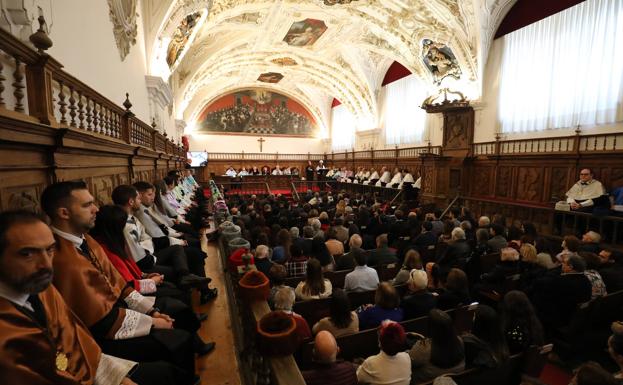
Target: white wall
486 119
249 144
85 44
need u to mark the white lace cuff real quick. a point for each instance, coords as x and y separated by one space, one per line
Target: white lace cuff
147 286
139 303
134 324
112 370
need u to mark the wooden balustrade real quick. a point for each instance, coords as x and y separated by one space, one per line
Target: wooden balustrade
411 152
576 144
44 93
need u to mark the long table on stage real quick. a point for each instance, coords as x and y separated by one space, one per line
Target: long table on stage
258 183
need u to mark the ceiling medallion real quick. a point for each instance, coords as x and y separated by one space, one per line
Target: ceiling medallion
284 61
305 32
270 77
440 61
334 2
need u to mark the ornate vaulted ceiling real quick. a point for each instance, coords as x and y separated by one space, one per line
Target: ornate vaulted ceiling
323 49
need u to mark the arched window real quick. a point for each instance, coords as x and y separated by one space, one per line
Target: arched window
564 70
403 119
343 127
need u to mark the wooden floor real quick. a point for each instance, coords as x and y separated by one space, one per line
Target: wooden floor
221 366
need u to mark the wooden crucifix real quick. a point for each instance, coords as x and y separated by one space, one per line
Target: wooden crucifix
261 141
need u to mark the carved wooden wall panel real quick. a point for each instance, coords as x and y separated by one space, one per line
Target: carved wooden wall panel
482 181
503 182
529 184
27 166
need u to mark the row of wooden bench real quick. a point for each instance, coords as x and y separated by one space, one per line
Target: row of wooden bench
365 344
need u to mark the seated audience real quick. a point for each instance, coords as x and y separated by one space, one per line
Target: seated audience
315 285
296 264
386 306
281 252
392 365
347 261
570 246
335 247
508 265
412 261
342 320
454 292
441 353
382 255
486 345
277 275
284 300
457 252
590 242
529 266
611 269
327 369
362 278
591 373
592 264
557 297
58 348
262 262
418 301
124 323
426 238
320 252
615 347
498 240
521 326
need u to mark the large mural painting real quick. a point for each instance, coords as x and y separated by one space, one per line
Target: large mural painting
256 112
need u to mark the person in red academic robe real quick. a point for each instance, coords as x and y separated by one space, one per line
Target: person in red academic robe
41 341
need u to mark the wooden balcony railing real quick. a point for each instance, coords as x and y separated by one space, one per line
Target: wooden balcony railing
577 144
40 91
410 152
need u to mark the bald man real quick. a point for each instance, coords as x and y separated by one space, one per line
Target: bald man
327 369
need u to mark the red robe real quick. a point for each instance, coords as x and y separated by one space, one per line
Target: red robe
28 352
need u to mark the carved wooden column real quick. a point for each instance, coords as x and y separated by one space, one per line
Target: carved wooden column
445 176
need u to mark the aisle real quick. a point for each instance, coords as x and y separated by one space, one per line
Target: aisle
221 366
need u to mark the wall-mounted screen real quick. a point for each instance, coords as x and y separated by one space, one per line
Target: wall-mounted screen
198 158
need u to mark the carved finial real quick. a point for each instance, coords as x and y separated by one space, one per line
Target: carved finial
577 130
40 39
153 123
165 135
127 104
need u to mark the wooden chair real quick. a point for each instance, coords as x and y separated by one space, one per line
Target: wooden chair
464 317
294 281
313 310
488 262
337 278
388 272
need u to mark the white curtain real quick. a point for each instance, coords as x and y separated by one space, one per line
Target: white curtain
564 70
403 119
343 127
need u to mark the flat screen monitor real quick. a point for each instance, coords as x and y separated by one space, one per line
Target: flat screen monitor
198 158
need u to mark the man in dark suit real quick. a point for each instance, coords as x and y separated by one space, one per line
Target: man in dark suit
382 255
497 241
557 298
347 261
426 238
305 243
457 252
